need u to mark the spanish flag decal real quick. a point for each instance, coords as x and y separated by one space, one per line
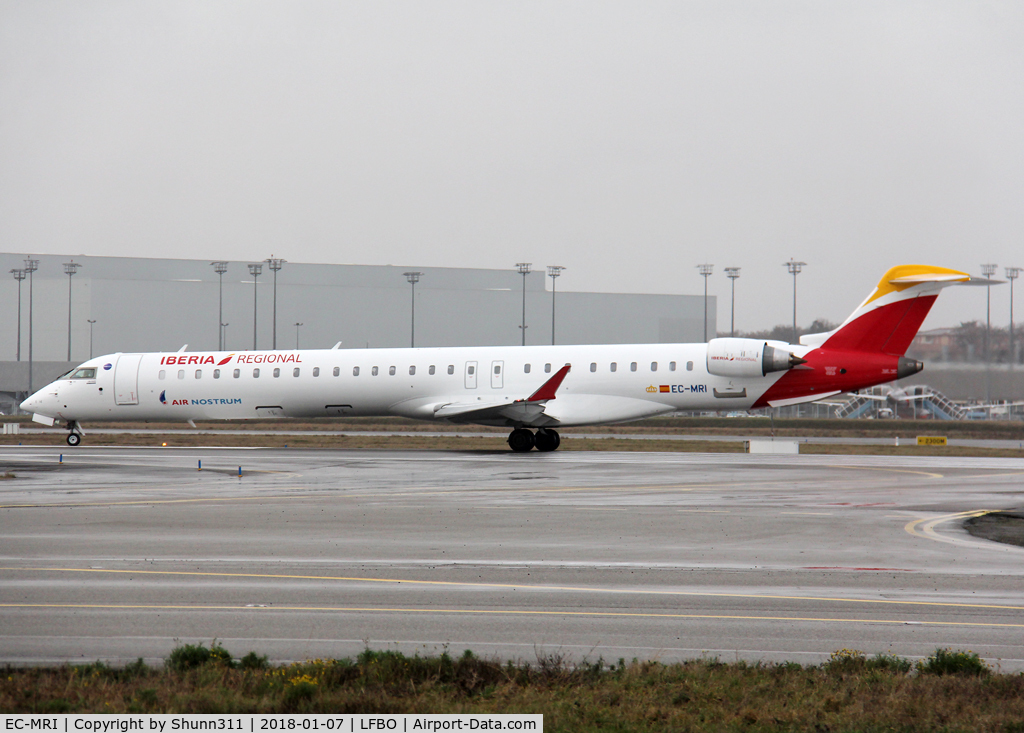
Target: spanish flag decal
664 388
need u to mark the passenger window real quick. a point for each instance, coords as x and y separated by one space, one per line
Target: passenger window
216 373
547 368
654 366
316 371
256 373
277 372
237 373
199 373
181 374
526 368
671 366
689 366
412 371
431 370
614 367
355 371
374 372
162 374
593 366
632 366
391 371
451 369
295 372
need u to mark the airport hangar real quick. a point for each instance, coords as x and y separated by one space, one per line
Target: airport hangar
141 304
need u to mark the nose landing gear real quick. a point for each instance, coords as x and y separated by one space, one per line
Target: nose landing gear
75 436
522 440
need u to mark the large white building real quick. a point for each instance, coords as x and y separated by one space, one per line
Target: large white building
142 304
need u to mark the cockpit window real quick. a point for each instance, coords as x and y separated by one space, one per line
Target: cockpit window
84 374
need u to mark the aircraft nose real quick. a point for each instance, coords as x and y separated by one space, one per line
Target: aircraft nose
43 402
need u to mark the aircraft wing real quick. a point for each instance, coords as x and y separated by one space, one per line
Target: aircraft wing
528 411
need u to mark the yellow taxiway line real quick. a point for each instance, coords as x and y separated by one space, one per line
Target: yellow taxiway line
520 586
506 612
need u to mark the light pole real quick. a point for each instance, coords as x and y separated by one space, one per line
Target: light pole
91 322
275 264
733 273
705 271
1012 274
19 275
254 270
988 270
413 278
70 268
220 267
297 326
224 331
30 267
553 272
524 270
794 268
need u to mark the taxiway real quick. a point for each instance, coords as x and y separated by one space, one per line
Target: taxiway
118 553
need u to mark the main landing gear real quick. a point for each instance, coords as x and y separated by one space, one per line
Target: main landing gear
75 436
522 440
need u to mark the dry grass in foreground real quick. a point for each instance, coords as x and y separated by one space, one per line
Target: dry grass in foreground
949 691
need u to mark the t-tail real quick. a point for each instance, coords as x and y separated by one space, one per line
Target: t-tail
870 346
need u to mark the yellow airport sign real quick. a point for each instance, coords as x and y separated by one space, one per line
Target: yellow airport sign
931 440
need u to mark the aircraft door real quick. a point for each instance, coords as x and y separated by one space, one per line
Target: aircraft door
126 379
497 376
470 375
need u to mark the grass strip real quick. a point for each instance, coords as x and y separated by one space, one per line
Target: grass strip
951 690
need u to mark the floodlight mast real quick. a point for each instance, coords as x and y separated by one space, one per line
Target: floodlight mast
705 270
30 267
524 270
794 268
19 275
92 322
413 278
275 264
297 327
254 269
553 272
1012 274
70 268
988 270
732 273
220 267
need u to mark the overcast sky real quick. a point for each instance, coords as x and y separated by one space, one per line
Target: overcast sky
627 141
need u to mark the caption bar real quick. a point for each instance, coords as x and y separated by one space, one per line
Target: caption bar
267 723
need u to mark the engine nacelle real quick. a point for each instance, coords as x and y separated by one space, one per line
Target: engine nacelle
747 358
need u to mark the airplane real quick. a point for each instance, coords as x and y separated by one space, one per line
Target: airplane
534 390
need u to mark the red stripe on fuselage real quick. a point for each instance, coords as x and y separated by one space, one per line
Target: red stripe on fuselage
828 370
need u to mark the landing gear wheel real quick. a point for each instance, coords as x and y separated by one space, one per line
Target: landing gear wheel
521 440
74 439
547 440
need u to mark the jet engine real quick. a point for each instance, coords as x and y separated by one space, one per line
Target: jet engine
746 358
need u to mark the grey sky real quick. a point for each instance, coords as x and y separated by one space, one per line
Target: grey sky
625 141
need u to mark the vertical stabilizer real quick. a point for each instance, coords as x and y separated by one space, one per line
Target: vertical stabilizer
890 317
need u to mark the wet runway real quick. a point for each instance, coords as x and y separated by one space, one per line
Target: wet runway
118 552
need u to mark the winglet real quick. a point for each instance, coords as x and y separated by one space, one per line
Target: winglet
548 389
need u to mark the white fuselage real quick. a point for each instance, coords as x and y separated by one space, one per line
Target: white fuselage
606 384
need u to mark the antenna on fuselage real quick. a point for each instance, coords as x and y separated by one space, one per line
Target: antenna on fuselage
184 346
337 345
